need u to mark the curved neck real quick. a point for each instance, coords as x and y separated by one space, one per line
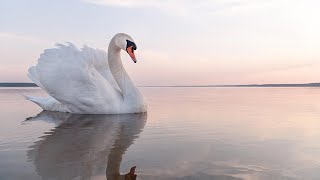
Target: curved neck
119 73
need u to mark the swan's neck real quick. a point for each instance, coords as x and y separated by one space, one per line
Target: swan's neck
119 73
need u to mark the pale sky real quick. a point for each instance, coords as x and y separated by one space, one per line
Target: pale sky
180 42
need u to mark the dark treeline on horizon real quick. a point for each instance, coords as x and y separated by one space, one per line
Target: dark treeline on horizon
281 85
18 85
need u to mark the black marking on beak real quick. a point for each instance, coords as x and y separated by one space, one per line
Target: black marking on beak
130 43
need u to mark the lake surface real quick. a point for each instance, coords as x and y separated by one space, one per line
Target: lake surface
188 133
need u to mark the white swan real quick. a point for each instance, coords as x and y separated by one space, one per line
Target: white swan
87 81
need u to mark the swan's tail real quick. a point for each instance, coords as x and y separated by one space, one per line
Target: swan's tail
48 103
33 99
42 102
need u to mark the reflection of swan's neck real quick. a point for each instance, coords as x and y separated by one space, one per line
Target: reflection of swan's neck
119 73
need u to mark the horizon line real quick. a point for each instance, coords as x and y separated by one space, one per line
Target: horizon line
30 84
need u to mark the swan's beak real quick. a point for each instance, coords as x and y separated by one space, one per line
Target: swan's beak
131 54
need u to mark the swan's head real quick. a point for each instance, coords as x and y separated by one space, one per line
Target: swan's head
126 43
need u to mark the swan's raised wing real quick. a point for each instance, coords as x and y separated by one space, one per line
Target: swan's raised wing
79 79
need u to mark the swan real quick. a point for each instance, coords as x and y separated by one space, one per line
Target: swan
87 80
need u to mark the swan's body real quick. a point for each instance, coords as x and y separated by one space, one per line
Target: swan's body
87 81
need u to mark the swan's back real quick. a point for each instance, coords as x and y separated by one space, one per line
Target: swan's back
78 79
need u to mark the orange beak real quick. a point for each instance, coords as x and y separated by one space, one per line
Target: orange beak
131 54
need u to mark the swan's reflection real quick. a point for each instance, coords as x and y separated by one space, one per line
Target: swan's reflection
85 146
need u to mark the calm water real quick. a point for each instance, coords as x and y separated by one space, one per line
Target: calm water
188 133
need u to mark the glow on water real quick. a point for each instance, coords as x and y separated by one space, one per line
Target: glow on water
188 133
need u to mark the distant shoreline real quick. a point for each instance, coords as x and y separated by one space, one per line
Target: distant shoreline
18 85
8 84
249 85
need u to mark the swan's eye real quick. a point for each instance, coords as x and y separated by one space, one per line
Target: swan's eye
130 43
